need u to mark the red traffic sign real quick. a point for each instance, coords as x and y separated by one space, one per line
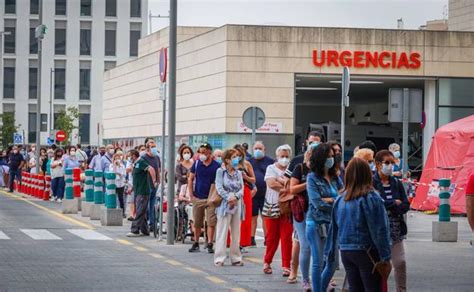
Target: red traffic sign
163 64
61 135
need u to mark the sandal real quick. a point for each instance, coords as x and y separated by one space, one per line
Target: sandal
291 280
286 272
219 264
267 269
238 264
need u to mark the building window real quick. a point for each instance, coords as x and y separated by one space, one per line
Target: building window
34 7
135 8
134 37
33 42
85 42
10 6
111 8
109 65
456 99
33 83
59 83
84 128
9 82
86 7
110 42
85 84
9 41
31 127
60 41
61 7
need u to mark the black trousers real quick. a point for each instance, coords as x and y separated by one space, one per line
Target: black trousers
121 198
359 268
140 224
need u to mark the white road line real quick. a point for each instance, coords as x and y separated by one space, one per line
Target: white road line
88 234
40 234
3 235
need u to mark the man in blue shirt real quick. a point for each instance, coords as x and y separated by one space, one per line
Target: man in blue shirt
259 162
152 158
202 177
15 162
106 159
96 162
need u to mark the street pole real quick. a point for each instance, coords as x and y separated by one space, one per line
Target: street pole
171 119
406 119
163 136
51 89
38 91
254 125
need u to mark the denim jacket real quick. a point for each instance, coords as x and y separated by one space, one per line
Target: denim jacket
226 186
358 225
318 188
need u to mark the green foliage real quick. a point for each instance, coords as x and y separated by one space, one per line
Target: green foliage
65 121
8 128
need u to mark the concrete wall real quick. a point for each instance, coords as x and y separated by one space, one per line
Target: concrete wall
461 15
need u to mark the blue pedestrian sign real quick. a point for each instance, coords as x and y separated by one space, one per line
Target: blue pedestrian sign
50 141
17 138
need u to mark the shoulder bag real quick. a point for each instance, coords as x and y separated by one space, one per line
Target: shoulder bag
214 199
284 200
299 204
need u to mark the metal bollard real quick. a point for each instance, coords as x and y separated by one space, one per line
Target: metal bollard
98 188
69 184
111 196
444 195
76 177
89 185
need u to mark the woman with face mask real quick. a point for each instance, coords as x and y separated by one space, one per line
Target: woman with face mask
230 186
118 167
398 162
183 167
396 203
279 228
70 160
57 176
323 186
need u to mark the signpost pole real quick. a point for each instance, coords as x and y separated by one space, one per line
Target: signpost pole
406 118
254 124
38 91
172 119
345 83
163 136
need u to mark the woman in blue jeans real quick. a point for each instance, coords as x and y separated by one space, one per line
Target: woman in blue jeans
57 175
323 185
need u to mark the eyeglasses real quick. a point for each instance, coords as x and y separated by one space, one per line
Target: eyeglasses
387 162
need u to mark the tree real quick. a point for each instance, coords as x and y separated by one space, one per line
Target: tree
8 128
65 121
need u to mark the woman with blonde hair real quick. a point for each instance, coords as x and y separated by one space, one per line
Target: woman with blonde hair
368 155
118 167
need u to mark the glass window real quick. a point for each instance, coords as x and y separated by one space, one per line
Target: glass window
59 83
85 84
111 8
61 7
34 6
31 127
86 7
10 6
456 92
9 82
85 42
110 42
134 37
135 8
33 41
9 42
60 41
447 115
84 128
33 83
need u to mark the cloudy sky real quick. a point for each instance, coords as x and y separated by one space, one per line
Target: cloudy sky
332 13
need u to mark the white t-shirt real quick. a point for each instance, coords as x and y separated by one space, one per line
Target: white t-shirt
32 164
271 196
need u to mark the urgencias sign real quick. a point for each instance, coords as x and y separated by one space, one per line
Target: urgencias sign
365 59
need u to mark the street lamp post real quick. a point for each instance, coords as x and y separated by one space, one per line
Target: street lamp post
39 33
51 89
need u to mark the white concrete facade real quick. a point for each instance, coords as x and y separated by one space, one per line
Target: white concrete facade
73 60
461 15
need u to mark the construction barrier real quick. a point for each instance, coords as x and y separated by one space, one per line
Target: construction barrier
98 188
89 185
111 196
41 186
47 188
69 195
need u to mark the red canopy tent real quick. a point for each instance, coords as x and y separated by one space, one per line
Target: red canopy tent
451 156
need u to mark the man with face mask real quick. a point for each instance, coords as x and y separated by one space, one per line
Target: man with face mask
106 159
15 162
201 178
260 161
314 139
96 162
152 158
218 156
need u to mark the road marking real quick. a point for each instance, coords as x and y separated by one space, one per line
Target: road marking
254 260
140 248
193 270
88 234
3 235
55 213
124 242
215 280
40 234
238 290
174 263
156 255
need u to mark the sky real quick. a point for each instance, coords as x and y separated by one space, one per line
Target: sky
325 13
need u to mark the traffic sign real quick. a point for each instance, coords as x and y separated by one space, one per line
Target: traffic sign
61 136
17 138
253 117
50 141
163 64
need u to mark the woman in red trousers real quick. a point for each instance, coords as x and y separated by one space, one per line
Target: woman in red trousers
279 228
249 183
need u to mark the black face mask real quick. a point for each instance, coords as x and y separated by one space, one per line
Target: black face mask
338 158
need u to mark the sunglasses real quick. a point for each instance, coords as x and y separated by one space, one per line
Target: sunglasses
387 162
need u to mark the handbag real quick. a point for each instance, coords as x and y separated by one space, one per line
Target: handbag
271 210
299 205
214 199
284 200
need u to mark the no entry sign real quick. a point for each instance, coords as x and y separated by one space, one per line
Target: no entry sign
61 136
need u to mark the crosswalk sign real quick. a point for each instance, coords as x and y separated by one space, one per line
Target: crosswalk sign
17 138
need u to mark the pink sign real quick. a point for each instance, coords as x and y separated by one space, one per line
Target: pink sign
268 127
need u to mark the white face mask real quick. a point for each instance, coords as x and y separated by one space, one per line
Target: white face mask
202 157
72 153
186 156
387 169
284 161
111 151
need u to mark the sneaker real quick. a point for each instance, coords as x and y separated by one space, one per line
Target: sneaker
209 248
243 250
253 242
130 218
194 248
59 201
52 199
306 285
133 234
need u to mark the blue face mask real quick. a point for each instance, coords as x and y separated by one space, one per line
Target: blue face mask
396 154
329 162
313 145
219 160
235 162
240 158
154 151
258 153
